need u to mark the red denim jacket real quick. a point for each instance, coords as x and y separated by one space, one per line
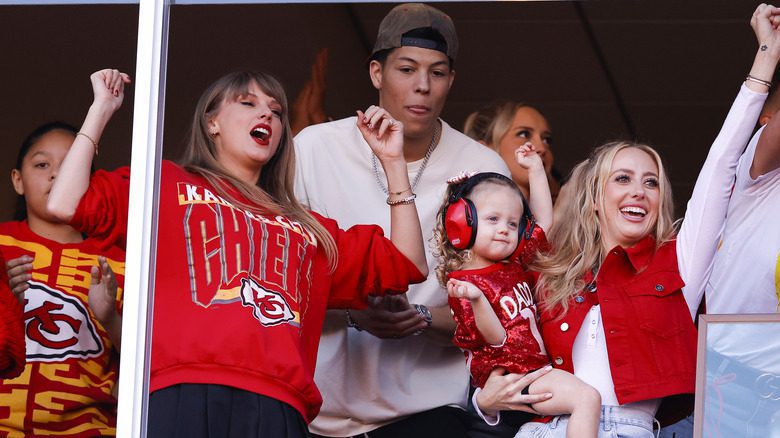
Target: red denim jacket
651 338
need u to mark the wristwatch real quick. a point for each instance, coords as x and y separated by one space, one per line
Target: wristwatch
426 314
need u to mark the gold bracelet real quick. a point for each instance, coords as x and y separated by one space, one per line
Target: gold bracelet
94 143
398 193
758 81
405 201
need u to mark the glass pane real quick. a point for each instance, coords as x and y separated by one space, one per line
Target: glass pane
46 74
48 54
742 392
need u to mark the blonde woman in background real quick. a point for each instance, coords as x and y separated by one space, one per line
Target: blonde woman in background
504 126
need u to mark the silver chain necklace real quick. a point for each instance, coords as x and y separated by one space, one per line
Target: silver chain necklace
424 163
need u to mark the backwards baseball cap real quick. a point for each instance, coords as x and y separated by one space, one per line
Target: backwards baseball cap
409 24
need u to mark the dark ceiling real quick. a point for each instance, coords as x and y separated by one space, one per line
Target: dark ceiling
663 71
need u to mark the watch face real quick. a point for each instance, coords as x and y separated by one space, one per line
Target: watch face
426 314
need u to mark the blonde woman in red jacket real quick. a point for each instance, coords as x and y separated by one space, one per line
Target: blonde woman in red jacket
621 288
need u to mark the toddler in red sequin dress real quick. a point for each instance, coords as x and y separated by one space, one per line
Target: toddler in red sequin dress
486 238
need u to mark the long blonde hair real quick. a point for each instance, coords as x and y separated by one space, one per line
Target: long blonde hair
490 123
577 241
274 193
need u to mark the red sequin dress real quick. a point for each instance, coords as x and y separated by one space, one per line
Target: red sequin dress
509 289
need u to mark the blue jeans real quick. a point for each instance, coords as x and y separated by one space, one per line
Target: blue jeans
616 422
680 429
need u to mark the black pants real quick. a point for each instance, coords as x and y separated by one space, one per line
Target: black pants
507 428
216 411
444 421
448 422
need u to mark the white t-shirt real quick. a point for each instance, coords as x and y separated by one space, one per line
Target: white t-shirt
746 275
367 382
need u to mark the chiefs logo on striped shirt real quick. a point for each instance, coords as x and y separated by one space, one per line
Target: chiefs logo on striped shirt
57 326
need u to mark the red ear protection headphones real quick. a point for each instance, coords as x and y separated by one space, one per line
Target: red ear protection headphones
460 216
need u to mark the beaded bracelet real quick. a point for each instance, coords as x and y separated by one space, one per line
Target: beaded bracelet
405 201
759 81
94 143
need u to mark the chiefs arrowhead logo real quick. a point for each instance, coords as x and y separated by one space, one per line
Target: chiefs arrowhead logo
268 307
57 326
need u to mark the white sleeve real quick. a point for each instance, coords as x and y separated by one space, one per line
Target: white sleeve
302 157
706 212
491 420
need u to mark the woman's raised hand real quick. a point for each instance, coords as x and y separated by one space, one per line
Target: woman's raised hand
383 133
765 23
385 136
108 86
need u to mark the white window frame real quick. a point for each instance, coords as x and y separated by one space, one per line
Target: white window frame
146 156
